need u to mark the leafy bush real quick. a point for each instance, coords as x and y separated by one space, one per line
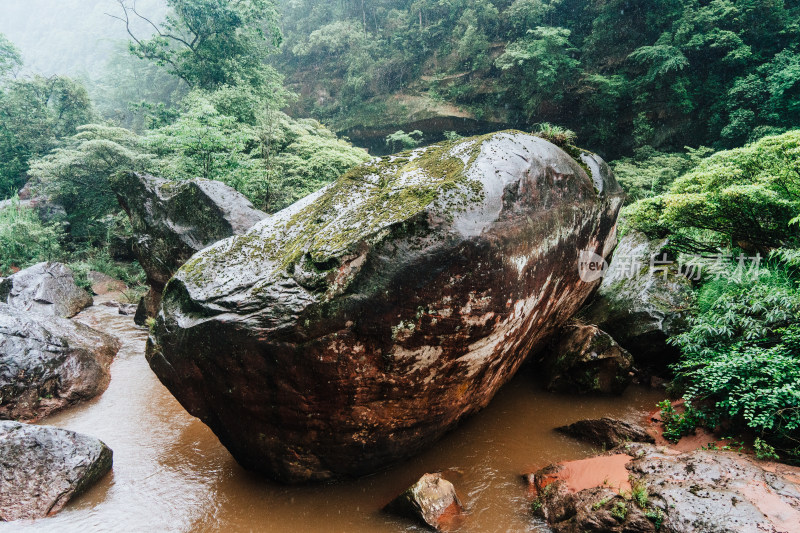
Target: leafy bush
556 134
650 172
747 197
677 425
741 356
24 239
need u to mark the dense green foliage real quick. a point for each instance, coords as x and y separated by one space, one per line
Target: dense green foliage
741 356
623 74
740 363
745 197
24 239
35 113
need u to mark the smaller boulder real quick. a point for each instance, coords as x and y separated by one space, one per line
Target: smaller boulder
642 302
585 360
103 283
431 500
606 432
173 220
46 289
43 467
49 363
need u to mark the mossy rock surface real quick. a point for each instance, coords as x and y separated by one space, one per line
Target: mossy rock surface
357 326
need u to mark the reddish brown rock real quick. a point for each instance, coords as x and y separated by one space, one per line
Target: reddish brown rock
606 432
645 488
103 283
356 327
432 500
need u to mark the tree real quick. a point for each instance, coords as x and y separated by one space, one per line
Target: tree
747 197
211 43
34 114
76 174
10 58
542 64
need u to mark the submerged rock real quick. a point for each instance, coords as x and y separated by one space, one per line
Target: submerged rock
585 360
172 220
48 363
641 307
431 500
42 468
606 432
357 326
46 289
643 488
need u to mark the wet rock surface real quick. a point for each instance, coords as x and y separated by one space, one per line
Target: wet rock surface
357 326
606 432
46 289
640 306
42 468
49 363
172 220
432 501
664 490
586 360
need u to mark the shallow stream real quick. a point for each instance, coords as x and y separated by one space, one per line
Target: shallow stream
171 474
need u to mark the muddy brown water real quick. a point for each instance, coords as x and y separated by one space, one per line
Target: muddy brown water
172 475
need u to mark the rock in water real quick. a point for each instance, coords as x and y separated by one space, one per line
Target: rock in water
587 360
172 220
46 289
42 468
641 307
355 327
606 432
48 363
431 500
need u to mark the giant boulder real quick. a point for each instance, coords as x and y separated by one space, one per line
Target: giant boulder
643 301
173 220
42 468
49 363
357 326
46 289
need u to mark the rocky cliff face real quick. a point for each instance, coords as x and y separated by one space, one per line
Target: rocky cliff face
172 220
357 326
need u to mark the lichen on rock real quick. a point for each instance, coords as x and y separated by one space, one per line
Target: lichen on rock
353 328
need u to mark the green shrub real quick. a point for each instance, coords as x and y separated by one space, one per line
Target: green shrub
741 356
677 425
747 197
24 239
557 135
